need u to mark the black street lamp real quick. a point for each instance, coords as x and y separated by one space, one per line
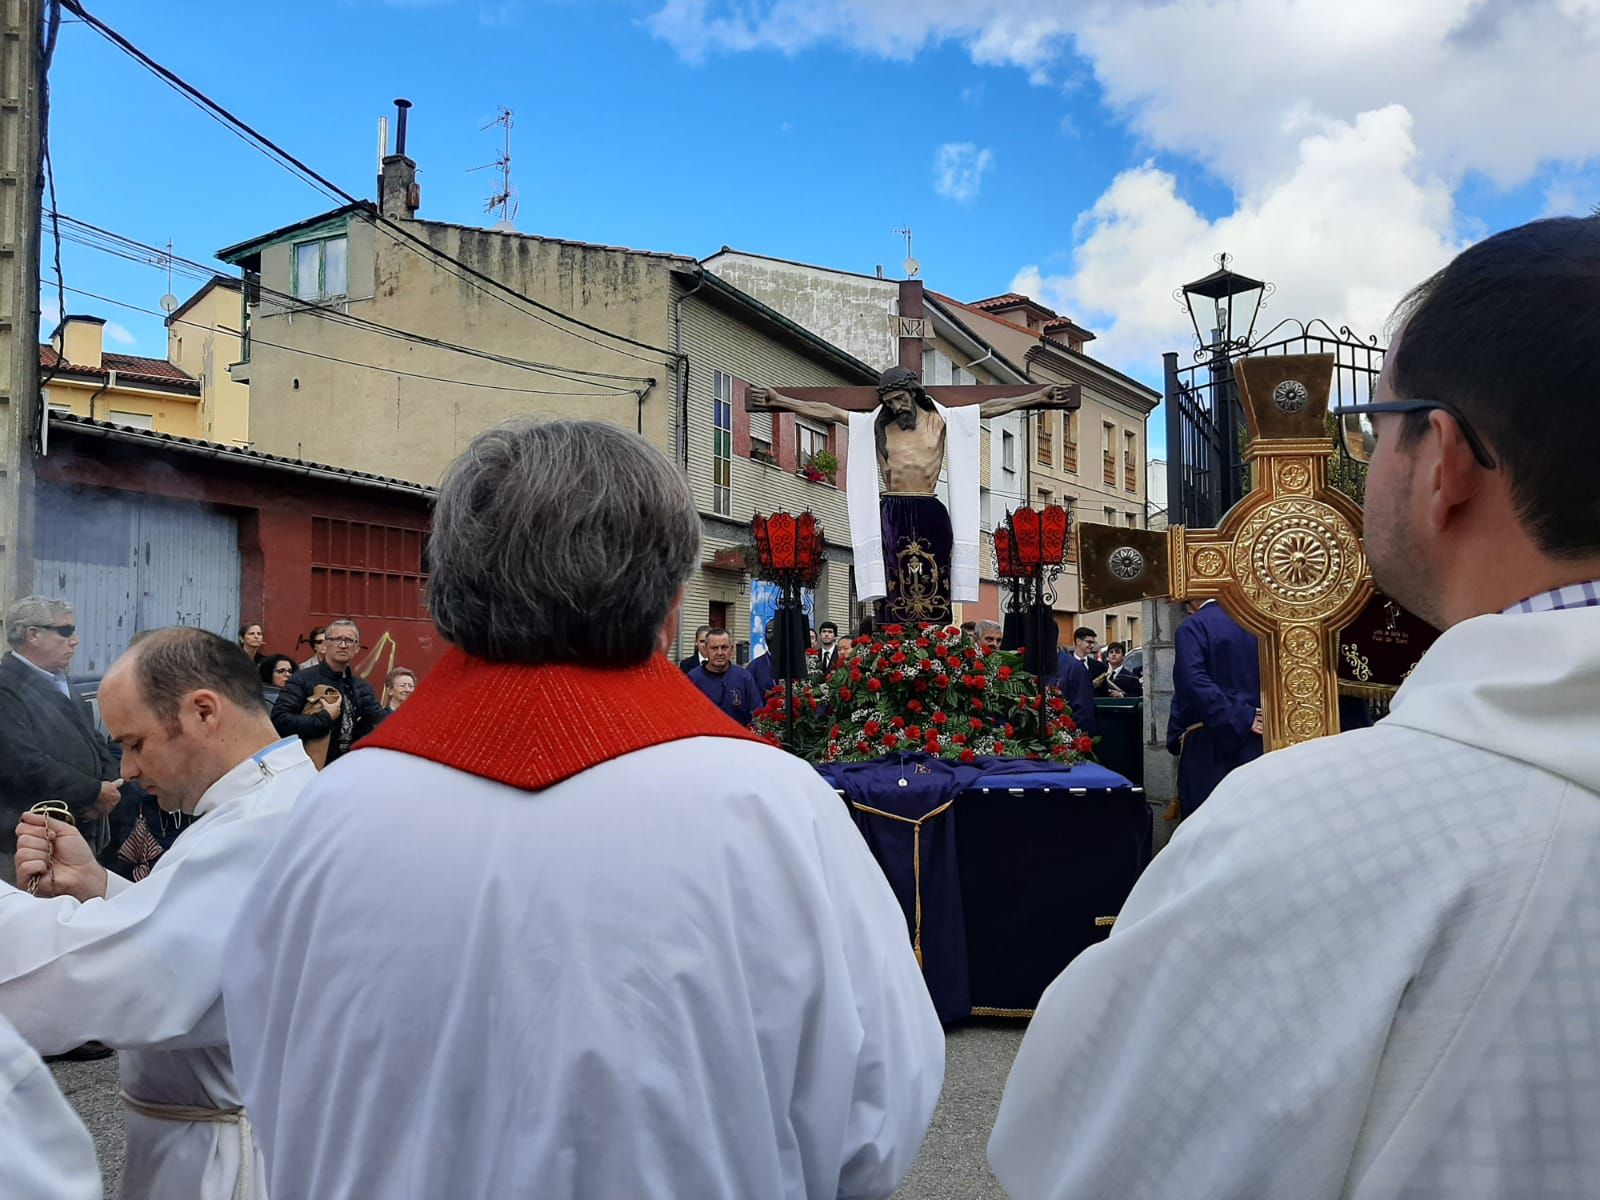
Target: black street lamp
1223 306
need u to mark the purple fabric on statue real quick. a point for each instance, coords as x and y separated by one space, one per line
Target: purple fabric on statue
916 561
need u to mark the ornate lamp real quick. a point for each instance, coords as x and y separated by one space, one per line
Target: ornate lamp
1035 543
1225 302
789 552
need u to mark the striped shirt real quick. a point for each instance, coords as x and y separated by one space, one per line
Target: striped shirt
1573 595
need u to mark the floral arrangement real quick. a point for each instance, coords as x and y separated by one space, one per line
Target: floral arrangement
821 465
929 690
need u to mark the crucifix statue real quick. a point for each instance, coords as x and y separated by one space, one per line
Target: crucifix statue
1286 562
913 555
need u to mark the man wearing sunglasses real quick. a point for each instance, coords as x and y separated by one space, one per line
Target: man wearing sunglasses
49 746
1370 964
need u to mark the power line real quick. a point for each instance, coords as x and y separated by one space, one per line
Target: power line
219 112
106 241
493 387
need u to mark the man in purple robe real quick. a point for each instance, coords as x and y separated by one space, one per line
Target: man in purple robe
1215 724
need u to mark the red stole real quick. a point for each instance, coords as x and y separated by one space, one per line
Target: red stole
531 727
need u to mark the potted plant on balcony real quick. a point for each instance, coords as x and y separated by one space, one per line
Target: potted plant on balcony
821 466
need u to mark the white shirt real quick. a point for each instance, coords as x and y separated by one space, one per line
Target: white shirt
141 970
677 974
45 1152
1369 967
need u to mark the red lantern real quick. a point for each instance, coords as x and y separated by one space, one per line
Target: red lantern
1056 523
763 542
805 544
1005 557
1025 535
782 533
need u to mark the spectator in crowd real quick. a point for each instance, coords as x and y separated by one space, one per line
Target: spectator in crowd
344 719
970 628
1075 674
987 633
251 639
1118 682
50 748
827 646
276 670
398 686
845 645
725 683
318 638
698 658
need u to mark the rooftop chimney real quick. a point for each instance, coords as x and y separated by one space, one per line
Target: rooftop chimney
81 340
399 197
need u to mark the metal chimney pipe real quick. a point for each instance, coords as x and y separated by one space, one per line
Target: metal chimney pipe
400 125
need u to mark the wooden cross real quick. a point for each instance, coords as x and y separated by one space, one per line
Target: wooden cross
1286 562
912 326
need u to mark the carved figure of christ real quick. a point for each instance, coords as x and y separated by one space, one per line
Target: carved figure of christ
914 537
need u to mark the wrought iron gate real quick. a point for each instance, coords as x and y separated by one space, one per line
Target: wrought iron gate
1206 472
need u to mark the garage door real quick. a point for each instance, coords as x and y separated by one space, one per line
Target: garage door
128 562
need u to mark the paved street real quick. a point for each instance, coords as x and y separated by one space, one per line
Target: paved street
950 1167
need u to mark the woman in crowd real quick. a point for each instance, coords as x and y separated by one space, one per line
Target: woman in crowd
402 681
319 642
275 672
251 639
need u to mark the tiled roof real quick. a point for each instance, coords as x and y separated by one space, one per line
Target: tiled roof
207 449
133 367
1009 300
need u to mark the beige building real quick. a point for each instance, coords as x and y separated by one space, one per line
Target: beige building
1092 461
366 349
81 378
203 341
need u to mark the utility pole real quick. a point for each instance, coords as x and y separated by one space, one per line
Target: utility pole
22 36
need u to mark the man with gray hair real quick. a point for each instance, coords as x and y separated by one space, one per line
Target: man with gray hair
328 700
139 965
49 746
989 634
643 953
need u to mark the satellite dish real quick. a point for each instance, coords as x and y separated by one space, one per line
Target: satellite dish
169 302
913 268
502 227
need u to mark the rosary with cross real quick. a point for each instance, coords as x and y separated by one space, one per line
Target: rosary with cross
50 809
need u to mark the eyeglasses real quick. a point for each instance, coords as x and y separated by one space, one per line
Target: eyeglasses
65 631
344 641
1360 436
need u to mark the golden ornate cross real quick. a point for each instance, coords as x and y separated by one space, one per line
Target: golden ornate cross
1286 562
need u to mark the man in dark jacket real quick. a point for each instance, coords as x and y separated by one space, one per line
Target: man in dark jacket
49 746
344 721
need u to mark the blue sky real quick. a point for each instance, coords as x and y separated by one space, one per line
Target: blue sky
1094 154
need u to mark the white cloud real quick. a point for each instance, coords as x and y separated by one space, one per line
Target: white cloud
958 170
119 334
1342 234
1342 130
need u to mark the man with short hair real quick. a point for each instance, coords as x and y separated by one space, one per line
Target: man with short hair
352 712
644 952
139 965
698 658
49 746
724 682
1375 953
1214 725
989 634
827 647
1075 677
1118 682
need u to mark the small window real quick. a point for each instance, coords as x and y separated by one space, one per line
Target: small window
1133 520
320 268
812 439
1008 450
132 420
722 444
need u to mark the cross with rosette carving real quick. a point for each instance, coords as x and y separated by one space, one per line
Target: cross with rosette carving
1286 562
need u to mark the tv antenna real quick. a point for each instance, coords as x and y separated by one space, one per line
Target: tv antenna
505 200
912 267
169 301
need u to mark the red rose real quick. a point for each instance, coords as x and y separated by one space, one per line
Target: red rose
971 652
1058 705
1084 745
874 685
1003 673
914 706
921 686
974 724
855 674
863 748
968 756
897 676
844 693
977 705
923 643
897 722
897 659
890 741
940 719
1000 748
1068 724
958 739
932 747
834 733
1011 730
872 729
914 733
941 680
